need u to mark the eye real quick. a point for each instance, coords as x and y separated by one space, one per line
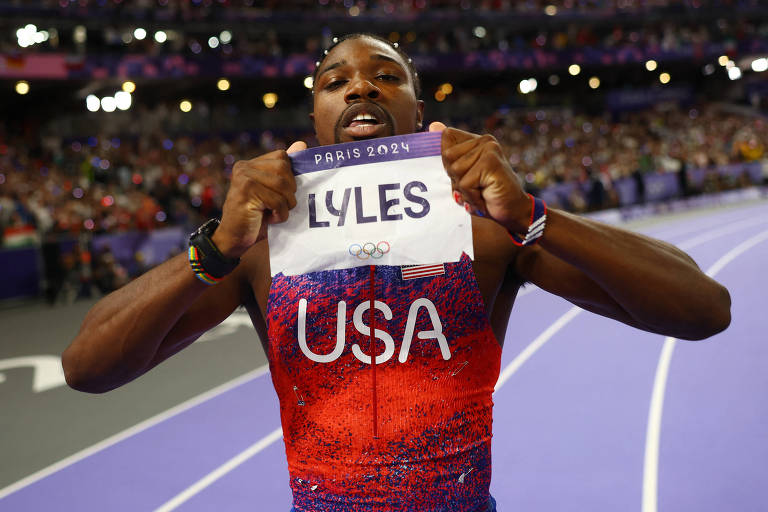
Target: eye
388 78
334 84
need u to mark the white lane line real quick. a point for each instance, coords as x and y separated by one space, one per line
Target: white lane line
684 227
239 459
219 472
550 331
653 430
725 230
504 376
131 431
535 345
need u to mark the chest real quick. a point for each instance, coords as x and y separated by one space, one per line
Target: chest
326 317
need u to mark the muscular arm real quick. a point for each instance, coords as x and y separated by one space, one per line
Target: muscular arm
632 278
136 327
623 275
143 323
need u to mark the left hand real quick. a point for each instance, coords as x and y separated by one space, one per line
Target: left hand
482 179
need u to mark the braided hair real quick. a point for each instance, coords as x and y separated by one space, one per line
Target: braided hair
358 35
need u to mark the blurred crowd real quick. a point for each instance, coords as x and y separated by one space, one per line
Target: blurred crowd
284 32
547 147
110 184
57 193
218 9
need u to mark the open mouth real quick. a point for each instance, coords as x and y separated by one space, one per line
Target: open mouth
365 121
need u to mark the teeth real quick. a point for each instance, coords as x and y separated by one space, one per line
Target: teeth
364 117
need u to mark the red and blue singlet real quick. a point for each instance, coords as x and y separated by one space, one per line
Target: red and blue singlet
413 431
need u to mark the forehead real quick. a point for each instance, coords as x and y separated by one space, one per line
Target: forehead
362 48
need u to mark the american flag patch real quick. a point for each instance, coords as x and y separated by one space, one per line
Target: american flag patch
417 271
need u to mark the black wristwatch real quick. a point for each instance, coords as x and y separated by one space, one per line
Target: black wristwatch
208 255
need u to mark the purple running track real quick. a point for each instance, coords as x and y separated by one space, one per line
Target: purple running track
569 426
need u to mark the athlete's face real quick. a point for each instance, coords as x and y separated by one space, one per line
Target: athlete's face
363 90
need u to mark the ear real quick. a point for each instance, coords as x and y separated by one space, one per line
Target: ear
419 115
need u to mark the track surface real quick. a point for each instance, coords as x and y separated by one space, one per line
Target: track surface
578 425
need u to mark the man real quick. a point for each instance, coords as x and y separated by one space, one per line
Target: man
411 431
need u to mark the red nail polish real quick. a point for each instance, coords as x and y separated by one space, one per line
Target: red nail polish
467 207
456 197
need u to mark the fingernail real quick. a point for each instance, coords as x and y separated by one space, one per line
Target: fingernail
456 197
467 207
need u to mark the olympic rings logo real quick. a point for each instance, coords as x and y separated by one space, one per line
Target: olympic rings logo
369 250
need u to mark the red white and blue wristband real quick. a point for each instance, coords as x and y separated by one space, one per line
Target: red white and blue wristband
536 226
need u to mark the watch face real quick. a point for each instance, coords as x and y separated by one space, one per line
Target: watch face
207 228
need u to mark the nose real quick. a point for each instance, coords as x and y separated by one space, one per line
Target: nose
361 88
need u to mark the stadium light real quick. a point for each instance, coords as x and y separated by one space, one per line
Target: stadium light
223 84
723 60
574 69
664 78
122 100
447 88
554 80
161 36
92 103
760 65
22 87
309 82
270 99
651 65
734 73
550 10
185 105
439 95
594 82
225 36
28 36
213 41
129 86
80 34
108 104
479 32
140 33
708 69
527 85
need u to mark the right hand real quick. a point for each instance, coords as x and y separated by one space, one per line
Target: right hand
261 193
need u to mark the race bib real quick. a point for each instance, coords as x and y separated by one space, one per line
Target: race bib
383 201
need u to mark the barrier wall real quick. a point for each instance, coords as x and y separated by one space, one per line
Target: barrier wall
22 273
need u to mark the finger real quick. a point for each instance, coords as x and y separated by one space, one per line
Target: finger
288 195
275 174
453 136
436 126
457 152
276 205
297 146
470 196
471 200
